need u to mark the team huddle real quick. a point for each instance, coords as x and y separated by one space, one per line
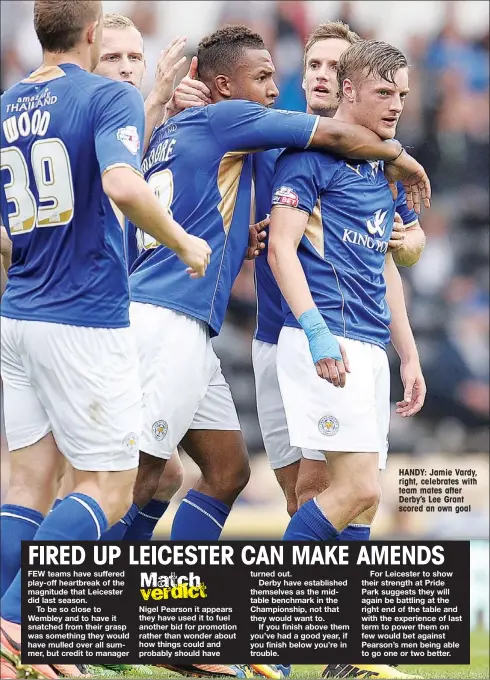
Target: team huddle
126 225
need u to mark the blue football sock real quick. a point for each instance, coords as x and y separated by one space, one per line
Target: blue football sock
118 530
77 518
310 524
199 518
17 523
146 520
355 532
57 501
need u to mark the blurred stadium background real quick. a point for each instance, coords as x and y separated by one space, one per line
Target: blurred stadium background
446 124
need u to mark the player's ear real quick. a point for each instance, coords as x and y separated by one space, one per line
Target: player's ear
303 84
92 32
222 84
348 90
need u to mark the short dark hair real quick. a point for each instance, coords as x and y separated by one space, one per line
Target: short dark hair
368 57
327 31
59 23
220 52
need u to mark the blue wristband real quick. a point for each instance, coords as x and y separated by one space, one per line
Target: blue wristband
323 345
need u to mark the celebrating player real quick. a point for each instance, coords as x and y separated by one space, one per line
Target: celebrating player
327 249
69 152
322 52
122 58
379 104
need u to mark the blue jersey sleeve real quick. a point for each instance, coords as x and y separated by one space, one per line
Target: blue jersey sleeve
131 243
300 178
241 125
119 125
409 217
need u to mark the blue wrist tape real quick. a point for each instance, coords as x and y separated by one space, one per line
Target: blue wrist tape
323 345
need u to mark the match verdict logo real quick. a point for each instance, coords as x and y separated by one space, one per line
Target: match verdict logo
162 587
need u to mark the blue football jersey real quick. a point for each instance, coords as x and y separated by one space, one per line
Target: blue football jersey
270 313
343 250
61 130
200 166
270 304
131 242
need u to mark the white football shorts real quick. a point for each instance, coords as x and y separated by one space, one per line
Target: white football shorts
81 384
183 386
270 409
353 419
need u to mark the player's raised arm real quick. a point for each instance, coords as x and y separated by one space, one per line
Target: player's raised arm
118 130
171 59
244 125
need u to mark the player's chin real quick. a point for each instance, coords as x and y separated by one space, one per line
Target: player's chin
386 130
321 106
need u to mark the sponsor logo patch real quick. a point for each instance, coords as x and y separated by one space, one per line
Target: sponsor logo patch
129 137
285 196
328 425
376 225
159 430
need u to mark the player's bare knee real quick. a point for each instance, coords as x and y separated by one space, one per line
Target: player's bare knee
228 481
170 482
305 495
292 504
367 493
150 470
237 478
119 495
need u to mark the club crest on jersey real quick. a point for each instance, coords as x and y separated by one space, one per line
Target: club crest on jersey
285 196
130 441
376 225
129 137
328 425
159 430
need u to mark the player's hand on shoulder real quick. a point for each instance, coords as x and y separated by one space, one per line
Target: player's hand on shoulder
330 358
256 238
170 61
196 254
397 238
407 170
189 92
414 389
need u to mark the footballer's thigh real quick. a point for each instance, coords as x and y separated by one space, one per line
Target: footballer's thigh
87 381
340 422
285 460
270 409
383 407
36 464
172 351
214 440
320 416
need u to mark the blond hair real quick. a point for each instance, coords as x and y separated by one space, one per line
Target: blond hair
369 57
117 21
327 31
